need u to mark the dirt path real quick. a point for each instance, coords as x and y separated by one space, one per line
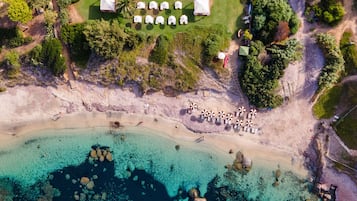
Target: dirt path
68 75
74 16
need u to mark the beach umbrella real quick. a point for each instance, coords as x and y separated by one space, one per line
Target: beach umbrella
195 106
253 112
249 123
230 120
240 122
241 110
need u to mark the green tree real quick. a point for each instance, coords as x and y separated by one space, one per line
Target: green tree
125 8
12 63
104 38
50 17
19 11
52 56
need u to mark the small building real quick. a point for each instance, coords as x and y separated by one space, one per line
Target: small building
140 5
183 19
108 6
149 19
178 5
243 51
201 7
153 5
138 19
171 20
160 20
164 5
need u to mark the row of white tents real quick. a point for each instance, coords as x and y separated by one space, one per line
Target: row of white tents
154 5
160 19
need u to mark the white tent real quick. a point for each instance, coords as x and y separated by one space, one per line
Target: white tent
149 19
164 5
178 5
171 20
183 19
221 55
107 5
160 20
140 5
201 7
153 5
138 19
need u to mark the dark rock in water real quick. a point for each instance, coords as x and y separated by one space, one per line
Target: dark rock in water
177 147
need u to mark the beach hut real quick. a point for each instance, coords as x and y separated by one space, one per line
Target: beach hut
107 6
164 5
153 5
140 5
160 20
178 5
138 19
201 7
149 19
171 20
183 19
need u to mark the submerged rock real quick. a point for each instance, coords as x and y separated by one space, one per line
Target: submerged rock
109 157
84 180
277 173
90 185
93 153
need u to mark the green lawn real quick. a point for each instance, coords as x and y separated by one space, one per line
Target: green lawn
325 106
227 12
349 52
347 129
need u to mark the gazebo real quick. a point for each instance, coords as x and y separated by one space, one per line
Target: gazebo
138 19
164 5
153 5
243 51
183 19
140 5
149 19
201 7
178 5
171 20
160 20
108 6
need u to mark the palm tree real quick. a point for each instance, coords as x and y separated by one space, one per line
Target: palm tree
125 8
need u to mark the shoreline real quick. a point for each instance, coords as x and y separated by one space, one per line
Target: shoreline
168 128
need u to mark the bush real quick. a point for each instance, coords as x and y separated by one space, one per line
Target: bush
329 11
51 56
331 72
12 63
13 38
159 54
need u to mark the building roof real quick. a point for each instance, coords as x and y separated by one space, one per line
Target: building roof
107 5
243 50
201 7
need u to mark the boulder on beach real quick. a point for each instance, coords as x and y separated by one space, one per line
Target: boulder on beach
85 180
247 163
101 158
239 156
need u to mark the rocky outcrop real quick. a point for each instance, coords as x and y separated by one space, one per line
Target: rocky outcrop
241 162
100 154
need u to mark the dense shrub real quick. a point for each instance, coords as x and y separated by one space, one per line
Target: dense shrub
349 52
51 56
266 17
334 64
212 46
13 38
329 11
159 54
12 64
259 78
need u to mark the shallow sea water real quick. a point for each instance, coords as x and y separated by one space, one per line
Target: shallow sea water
145 167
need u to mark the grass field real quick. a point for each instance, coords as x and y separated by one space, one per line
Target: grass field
325 106
349 52
347 129
226 12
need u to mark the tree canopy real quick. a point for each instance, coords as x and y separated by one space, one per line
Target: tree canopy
104 38
19 11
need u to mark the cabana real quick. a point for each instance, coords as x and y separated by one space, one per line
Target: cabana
171 20
178 5
183 19
160 20
201 7
107 6
149 19
164 5
153 5
140 5
138 19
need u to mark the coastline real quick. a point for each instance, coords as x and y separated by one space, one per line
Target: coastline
167 128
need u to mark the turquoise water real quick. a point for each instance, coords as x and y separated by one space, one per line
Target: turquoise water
189 165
